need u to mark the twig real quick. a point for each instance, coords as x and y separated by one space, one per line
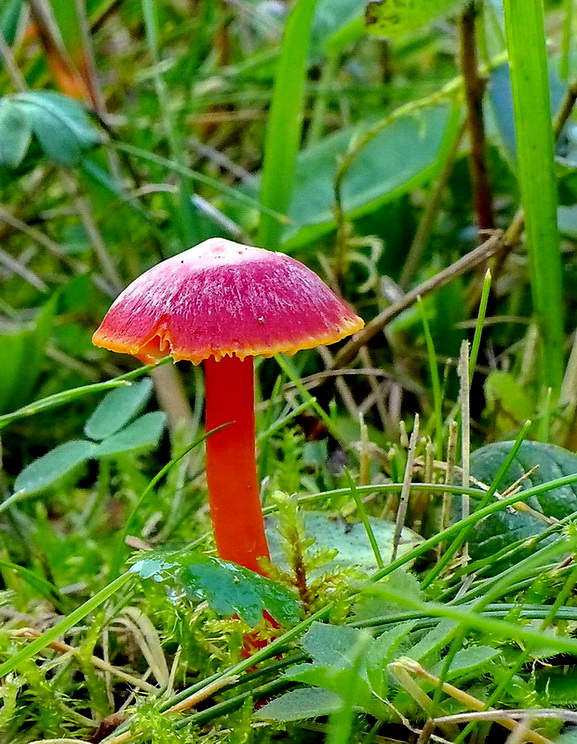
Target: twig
474 86
470 261
18 267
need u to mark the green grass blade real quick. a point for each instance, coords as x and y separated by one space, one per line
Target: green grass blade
365 520
435 381
232 194
283 134
60 399
534 135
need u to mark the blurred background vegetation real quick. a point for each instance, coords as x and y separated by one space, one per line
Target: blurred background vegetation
390 146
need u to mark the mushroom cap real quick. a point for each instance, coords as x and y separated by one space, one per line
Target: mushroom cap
222 298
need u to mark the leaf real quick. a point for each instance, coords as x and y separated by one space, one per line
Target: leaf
117 408
331 16
467 663
348 538
387 647
330 645
15 133
59 123
144 433
297 705
434 641
402 156
229 589
10 15
507 400
559 689
394 18
504 527
23 357
370 605
47 470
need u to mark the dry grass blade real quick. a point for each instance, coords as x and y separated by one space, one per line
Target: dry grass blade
404 498
465 699
65 648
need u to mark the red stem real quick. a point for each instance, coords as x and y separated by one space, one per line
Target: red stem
231 473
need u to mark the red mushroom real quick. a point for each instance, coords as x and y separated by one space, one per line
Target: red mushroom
223 303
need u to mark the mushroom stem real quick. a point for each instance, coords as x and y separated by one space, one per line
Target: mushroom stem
235 508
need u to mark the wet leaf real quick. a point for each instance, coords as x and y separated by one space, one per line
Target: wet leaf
228 588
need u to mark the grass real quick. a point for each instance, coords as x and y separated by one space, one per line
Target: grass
453 615
534 138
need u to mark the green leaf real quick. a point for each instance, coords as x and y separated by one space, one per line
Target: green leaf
331 16
467 663
285 120
228 588
559 688
504 527
330 645
370 606
434 641
60 125
348 538
507 400
15 133
399 158
117 408
298 705
23 357
387 647
336 663
393 18
10 15
47 470
144 433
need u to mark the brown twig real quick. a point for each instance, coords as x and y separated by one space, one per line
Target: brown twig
464 264
474 86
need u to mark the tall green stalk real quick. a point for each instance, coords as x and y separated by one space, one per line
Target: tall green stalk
283 134
530 84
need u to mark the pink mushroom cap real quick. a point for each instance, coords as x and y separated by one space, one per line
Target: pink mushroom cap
222 299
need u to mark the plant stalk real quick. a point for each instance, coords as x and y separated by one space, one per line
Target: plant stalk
474 86
525 29
235 508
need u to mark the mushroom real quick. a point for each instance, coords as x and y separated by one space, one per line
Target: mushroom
223 303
